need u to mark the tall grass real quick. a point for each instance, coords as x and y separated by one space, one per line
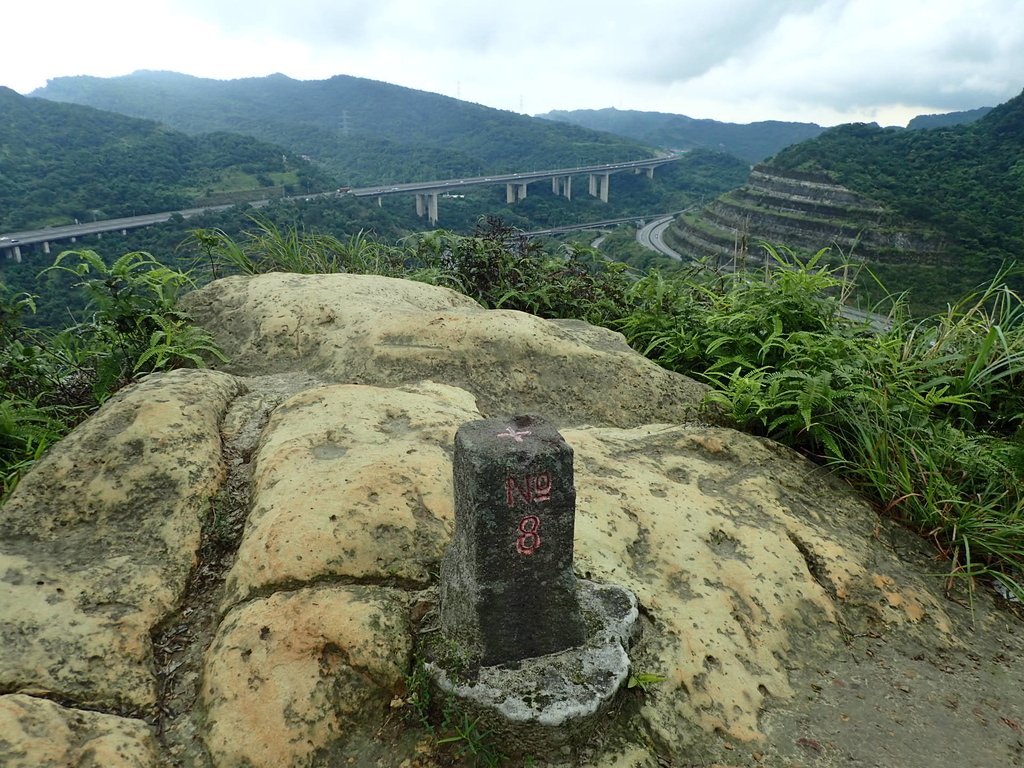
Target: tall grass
51 381
268 248
924 417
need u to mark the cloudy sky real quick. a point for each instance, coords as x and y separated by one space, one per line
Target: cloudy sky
824 61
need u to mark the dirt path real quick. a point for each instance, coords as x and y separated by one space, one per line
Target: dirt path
892 702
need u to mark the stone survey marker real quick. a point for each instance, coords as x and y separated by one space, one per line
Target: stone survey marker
507 587
529 651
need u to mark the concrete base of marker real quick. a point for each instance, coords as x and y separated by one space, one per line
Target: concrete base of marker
551 701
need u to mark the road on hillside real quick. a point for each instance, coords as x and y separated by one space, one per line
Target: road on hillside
650 236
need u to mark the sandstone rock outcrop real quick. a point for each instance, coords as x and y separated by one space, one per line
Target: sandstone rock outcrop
382 331
769 592
98 542
35 732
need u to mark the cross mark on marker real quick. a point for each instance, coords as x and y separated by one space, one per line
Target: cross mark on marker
514 434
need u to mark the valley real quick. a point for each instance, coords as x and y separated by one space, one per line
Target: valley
809 188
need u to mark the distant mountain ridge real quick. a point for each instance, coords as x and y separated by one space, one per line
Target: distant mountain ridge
752 142
948 120
363 131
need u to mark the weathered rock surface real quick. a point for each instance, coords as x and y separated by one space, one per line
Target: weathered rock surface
35 732
97 542
793 625
361 329
352 482
289 677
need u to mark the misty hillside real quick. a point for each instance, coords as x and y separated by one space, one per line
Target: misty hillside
949 119
751 142
363 131
61 162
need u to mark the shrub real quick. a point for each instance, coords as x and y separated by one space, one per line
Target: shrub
923 416
51 381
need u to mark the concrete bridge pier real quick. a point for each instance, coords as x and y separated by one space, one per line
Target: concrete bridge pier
599 185
562 185
515 192
426 203
13 254
46 247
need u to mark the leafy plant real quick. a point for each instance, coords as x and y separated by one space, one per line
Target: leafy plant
420 696
135 327
51 381
468 741
457 731
27 429
502 269
925 416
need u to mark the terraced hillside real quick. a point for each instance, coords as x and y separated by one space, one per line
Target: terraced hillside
805 211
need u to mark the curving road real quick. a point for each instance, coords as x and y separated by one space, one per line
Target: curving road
651 236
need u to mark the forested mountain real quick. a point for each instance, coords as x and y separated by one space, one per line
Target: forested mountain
751 142
965 182
61 162
935 212
363 131
949 119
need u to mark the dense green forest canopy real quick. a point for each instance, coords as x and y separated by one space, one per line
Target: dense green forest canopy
751 142
62 162
362 131
964 182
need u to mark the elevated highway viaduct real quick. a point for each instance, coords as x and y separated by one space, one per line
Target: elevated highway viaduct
426 193
598 178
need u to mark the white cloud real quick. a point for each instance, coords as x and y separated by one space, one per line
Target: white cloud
821 60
